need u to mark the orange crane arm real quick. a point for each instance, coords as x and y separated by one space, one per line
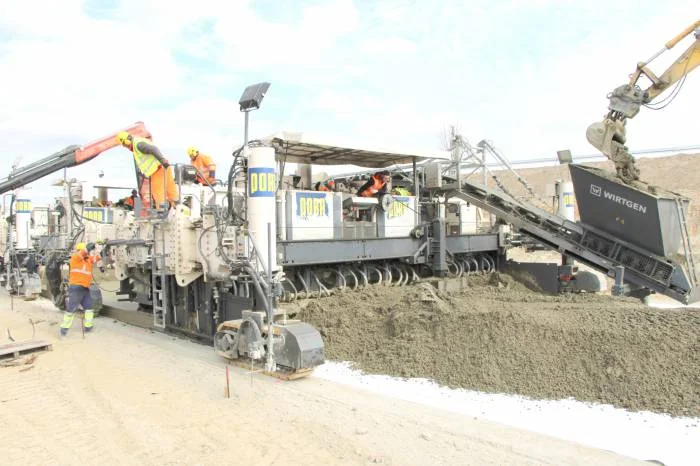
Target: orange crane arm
66 158
95 148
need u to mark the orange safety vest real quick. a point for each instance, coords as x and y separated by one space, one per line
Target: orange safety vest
205 165
326 186
81 269
378 183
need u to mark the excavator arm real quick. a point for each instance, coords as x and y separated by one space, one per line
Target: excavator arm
71 156
609 135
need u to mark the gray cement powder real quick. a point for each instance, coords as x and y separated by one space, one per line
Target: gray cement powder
500 336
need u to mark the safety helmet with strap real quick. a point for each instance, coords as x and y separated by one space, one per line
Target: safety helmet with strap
122 137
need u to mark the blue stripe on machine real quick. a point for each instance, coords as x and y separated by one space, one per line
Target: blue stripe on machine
311 204
262 182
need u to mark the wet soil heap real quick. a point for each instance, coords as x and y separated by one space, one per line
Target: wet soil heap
499 336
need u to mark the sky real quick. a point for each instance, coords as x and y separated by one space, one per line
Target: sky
528 75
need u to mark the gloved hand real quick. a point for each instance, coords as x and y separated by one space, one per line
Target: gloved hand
165 164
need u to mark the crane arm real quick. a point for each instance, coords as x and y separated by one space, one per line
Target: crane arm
678 70
626 100
71 156
609 135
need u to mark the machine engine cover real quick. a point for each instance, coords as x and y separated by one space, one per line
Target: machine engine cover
300 346
185 173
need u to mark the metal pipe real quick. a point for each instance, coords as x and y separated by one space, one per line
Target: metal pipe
245 130
457 157
256 283
416 192
270 356
166 202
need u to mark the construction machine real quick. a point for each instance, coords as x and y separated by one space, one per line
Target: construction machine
608 135
19 270
150 249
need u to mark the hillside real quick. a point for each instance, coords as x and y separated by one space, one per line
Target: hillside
679 173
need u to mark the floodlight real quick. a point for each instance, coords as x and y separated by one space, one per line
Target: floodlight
252 96
564 156
250 100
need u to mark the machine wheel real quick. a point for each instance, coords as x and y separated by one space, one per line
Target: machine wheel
224 344
386 201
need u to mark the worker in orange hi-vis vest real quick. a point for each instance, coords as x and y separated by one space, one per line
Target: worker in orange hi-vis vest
206 168
377 184
79 281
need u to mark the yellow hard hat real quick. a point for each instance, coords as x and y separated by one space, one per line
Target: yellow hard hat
80 246
192 152
122 137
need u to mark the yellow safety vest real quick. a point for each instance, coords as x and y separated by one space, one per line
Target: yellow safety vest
146 163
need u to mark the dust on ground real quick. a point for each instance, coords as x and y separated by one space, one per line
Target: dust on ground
124 395
500 336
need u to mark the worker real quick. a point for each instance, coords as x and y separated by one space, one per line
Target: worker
79 281
128 202
328 185
377 184
206 168
154 166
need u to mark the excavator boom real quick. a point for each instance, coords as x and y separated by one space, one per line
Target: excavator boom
608 135
71 156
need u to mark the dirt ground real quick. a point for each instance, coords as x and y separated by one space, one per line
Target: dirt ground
498 336
125 395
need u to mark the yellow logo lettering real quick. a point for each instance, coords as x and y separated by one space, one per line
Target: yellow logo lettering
397 209
312 205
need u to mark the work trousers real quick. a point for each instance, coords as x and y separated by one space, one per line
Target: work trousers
78 296
162 186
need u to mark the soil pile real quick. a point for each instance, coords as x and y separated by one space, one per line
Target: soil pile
500 336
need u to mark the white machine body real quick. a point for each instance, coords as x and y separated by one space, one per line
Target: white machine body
566 200
262 203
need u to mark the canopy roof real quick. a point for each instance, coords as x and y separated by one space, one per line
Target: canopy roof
301 148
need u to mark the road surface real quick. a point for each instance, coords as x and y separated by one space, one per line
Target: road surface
125 395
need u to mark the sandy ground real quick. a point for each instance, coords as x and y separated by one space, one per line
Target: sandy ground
125 395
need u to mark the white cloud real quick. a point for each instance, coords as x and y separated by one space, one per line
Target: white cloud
531 76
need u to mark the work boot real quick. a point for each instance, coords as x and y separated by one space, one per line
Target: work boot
88 329
64 332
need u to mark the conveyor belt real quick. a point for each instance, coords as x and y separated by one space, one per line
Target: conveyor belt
584 243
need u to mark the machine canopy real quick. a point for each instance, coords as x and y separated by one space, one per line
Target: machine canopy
301 148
